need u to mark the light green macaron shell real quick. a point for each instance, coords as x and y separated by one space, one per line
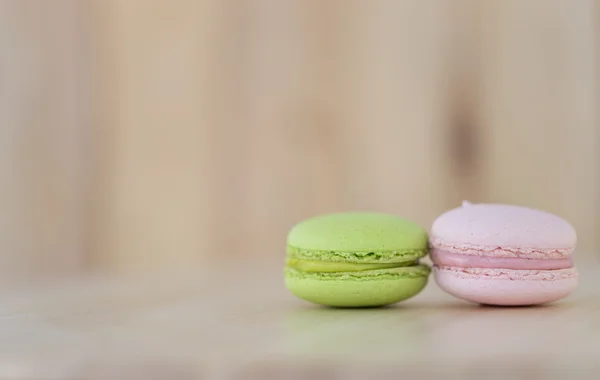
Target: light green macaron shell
356 259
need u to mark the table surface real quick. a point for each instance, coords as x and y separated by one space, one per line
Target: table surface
239 321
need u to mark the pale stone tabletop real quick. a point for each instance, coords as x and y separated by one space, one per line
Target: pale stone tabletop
239 321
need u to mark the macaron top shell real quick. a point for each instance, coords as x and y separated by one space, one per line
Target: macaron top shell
503 227
358 232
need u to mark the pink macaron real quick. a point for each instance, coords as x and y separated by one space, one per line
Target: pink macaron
503 255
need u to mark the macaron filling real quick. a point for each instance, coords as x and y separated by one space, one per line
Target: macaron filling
317 266
449 259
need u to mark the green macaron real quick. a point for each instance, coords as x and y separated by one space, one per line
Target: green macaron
356 259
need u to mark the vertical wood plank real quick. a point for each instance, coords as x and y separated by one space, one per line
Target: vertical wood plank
396 107
159 198
540 110
43 140
288 169
462 140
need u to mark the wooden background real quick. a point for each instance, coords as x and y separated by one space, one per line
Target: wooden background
137 135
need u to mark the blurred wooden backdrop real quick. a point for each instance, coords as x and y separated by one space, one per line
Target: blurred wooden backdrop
137 135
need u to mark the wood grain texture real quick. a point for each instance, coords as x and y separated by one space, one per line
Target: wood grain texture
177 326
184 132
43 140
161 156
283 163
395 109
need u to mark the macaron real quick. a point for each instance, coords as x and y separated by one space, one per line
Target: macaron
503 255
356 259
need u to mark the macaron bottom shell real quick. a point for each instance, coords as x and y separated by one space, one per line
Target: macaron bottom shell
370 288
505 287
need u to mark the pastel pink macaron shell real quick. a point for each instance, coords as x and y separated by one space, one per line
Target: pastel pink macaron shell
505 226
507 287
503 255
